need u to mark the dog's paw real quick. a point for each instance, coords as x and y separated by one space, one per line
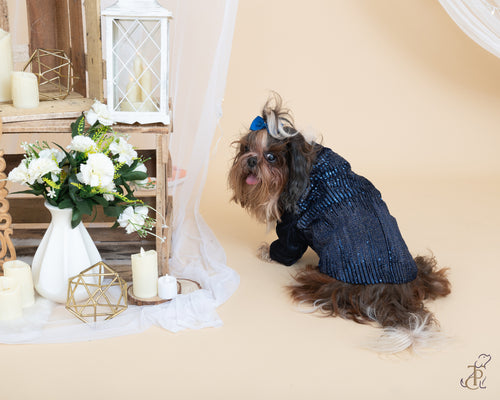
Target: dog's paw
263 252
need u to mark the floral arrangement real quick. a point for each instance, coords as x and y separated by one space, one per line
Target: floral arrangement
98 168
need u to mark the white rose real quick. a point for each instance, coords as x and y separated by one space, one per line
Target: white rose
40 167
98 171
20 173
83 144
133 219
99 112
125 150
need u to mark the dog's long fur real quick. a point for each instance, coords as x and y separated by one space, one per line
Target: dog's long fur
278 182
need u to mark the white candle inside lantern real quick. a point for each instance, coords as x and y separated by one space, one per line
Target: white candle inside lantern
11 305
19 270
145 274
25 90
5 66
167 287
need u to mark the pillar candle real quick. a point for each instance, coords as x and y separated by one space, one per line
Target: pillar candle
11 306
21 271
145 274
5 66
25 90
167 287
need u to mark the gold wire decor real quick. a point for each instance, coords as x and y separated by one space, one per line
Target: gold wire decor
54 71
97 281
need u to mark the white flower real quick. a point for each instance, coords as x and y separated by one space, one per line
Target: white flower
51 193
99 112
20 173
133 219
53 154
109 188
124 149
40 167
97 172
83 144
141 168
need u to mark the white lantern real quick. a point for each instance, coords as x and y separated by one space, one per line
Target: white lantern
137 56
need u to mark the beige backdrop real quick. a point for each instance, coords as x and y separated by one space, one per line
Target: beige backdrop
399 90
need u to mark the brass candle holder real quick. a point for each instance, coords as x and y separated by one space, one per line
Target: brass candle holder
97 280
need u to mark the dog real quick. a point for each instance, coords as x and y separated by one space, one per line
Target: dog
365 271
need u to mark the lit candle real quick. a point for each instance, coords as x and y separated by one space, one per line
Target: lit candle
167 287
5 66
11 306
25 90
145 274
21 271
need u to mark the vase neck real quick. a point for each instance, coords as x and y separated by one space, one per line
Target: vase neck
59 215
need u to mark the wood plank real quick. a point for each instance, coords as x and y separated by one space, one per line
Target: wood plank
77 52
71 107
4 16
42 26
94 49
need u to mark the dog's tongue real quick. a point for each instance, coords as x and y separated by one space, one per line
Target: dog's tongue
252 180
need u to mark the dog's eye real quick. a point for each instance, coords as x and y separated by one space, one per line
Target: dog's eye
270 157
245 149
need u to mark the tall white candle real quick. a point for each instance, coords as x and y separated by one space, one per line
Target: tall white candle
21 271
145 274
5 66
25 90
11 305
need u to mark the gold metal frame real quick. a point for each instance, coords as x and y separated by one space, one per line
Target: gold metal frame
98 303
54 71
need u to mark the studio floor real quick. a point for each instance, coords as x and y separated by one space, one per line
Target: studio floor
267 349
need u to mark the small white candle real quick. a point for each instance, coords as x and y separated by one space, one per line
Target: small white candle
5 66
133 91
145 274
11 305
146 84
167 287
25 90
21 271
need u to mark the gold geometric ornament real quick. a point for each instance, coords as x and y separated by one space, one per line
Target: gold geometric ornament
54 71
98 281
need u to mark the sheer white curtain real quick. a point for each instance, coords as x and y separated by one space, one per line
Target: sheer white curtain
202 34
479 19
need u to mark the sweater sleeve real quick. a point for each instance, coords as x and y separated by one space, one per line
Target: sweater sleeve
291 243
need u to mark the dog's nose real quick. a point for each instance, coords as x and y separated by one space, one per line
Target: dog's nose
252 162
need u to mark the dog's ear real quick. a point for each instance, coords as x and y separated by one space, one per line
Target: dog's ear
300 158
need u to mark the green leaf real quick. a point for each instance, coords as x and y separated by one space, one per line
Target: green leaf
135 176
76 218
78 126
84 206
113 211
66 203
100 200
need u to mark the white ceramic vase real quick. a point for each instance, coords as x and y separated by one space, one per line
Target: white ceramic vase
63 253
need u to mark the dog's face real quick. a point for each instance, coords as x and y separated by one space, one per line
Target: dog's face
268 175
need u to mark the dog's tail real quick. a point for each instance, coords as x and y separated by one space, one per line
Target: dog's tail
398 309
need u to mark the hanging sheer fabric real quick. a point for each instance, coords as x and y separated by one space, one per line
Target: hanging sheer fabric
479 19
201 38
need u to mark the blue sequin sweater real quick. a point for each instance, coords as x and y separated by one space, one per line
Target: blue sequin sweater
343 218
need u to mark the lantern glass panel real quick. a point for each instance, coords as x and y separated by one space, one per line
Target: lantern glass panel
136 52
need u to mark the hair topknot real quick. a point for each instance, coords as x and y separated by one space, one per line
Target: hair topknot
278 119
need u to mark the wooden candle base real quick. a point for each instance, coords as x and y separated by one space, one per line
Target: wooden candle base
184 286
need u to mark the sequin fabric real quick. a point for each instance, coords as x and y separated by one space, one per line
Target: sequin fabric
343 218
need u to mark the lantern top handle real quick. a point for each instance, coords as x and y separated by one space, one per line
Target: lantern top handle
136 8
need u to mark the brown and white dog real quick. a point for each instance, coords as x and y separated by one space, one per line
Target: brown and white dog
365 270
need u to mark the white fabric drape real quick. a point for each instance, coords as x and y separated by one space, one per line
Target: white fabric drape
202 34
479 19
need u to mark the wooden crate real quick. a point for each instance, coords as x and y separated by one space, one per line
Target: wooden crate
29 217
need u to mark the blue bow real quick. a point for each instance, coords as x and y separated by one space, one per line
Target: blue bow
257 124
